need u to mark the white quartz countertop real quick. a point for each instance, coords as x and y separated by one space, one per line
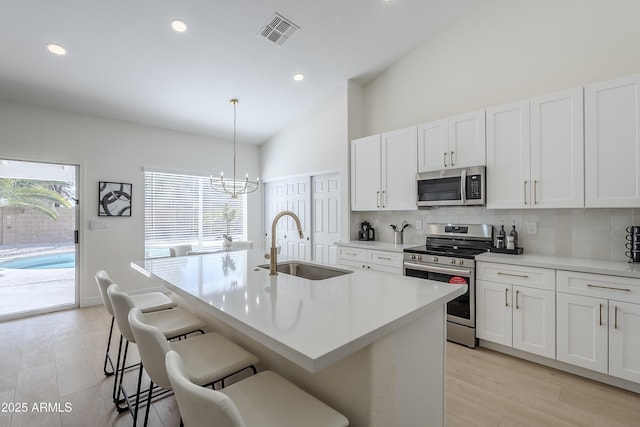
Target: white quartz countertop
381 246
585 265
312 323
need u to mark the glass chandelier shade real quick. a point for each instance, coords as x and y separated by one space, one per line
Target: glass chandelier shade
234 187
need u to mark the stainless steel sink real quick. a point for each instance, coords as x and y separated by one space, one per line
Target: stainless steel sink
307 270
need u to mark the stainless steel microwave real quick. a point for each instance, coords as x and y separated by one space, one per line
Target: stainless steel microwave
452 187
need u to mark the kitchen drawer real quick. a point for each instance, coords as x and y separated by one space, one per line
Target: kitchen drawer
533 277
617 288
385 258
352 254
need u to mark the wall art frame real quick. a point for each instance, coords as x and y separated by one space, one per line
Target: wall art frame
114 198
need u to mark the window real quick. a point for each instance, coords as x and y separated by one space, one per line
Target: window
183 209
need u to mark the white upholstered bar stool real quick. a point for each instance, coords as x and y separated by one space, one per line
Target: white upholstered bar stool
263 400
147 302
180 250
241 244
172 323
210 357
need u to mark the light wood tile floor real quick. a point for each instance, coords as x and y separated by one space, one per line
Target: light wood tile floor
57 359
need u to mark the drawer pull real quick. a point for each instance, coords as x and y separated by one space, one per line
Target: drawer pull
386 258
517 306
600 323
506 297
351 253
524 276
589 285
615 318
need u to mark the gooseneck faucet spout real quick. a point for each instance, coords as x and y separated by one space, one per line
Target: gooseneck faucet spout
273 252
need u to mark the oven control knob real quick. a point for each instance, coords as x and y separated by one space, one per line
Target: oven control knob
460 262
453 261
419 257
434 259
412 257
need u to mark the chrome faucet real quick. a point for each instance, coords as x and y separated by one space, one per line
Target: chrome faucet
273 252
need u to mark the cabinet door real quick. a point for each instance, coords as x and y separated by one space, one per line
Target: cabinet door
365 173
557 150
612 143
467 140
508 164
624 340
493 312
582 331
433 146
399 169
534 321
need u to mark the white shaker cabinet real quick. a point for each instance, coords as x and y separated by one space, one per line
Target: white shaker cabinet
370 259
535 153
596 329
383 171
456 142
515 306
508 156
612 143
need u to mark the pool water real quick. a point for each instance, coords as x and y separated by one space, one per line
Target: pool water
56 260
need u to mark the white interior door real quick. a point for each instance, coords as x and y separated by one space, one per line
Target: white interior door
325 217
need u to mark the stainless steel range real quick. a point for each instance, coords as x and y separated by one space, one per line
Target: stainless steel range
448 256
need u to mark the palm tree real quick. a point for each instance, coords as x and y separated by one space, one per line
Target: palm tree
37 195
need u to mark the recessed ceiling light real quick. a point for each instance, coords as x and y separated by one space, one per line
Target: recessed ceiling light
179 25
298 77
56 49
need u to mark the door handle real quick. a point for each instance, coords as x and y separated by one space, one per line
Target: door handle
524 276
517 306
535 192
525 192
506 297
615 317
377 199
384 198
600 322
445 159
451 158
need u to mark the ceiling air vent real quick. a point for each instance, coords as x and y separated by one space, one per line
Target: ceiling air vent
278 29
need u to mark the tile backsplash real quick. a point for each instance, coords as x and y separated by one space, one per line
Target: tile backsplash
582 233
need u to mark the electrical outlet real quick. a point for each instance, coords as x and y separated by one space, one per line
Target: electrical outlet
532 228
418 224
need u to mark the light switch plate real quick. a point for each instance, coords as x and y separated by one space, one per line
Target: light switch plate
532 228
418 224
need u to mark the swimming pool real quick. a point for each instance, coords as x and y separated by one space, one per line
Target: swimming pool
55 260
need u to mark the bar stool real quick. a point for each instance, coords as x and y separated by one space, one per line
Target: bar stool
147 302
180 250
264 400
210 357
174 323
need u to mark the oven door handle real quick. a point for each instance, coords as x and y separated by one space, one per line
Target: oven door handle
463 186
436 269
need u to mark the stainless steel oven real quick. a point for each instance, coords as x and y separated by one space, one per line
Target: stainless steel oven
448 256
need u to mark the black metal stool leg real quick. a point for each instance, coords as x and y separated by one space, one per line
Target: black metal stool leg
107 357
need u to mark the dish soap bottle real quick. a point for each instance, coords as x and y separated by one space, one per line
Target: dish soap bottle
513 233
500 238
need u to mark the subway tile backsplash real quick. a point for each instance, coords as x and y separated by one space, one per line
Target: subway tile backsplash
583 233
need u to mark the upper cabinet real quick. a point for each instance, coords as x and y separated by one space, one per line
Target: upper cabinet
383 171
456 142
535 156
612 143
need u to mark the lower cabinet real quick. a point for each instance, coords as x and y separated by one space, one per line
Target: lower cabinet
595 329
370 259
515 307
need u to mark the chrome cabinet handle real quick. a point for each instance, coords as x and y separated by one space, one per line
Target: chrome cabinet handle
384 258
451 158
535 192
600 323
445 159
377 199
589 285
525 192
506 297
351 253
517 306
384 198
524 276
615 318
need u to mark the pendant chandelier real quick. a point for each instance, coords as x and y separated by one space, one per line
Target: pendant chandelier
234 187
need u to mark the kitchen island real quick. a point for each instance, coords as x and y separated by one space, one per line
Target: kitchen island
370 344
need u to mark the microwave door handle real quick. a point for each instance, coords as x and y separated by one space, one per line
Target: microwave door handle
463 186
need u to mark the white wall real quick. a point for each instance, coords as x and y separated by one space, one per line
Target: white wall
317 142
506 50
111 150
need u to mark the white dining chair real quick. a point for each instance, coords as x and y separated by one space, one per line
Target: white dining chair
180 250
147 302
262 400
210 358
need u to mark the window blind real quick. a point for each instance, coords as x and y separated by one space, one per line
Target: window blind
183 209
